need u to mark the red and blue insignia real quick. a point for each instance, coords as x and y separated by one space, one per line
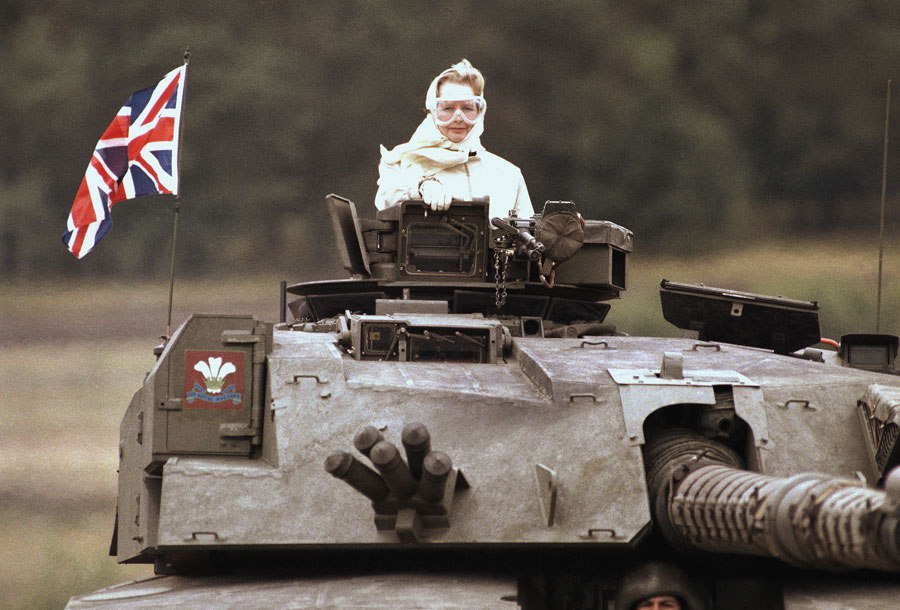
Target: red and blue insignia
213 379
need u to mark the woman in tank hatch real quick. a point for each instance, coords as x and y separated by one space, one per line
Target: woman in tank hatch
445 160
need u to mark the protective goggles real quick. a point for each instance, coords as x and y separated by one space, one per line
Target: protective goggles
468 109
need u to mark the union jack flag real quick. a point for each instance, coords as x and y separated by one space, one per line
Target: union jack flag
136 155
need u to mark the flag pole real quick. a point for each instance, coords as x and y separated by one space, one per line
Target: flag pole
177 203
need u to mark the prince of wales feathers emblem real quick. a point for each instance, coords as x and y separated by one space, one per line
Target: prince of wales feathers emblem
214 373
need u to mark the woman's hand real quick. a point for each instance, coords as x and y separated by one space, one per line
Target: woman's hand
435 194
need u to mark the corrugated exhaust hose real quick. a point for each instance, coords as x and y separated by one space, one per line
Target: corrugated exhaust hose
702 499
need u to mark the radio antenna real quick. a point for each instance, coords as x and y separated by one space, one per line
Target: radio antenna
887 116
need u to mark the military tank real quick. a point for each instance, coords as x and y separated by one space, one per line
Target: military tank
457 425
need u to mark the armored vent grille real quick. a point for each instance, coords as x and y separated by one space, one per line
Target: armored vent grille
880 411
886 446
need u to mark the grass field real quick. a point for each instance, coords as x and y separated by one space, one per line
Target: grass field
72 356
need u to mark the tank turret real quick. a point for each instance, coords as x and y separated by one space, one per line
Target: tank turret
459 425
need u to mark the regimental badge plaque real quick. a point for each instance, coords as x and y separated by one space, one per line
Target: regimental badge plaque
214 379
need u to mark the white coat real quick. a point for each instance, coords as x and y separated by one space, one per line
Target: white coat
484 174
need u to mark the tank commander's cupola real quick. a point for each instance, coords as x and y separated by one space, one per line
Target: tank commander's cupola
547 276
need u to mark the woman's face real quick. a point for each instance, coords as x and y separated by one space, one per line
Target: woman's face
457 129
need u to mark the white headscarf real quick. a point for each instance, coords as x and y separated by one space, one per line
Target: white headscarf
428 147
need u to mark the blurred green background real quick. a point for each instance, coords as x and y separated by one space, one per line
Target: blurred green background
740 139
695 124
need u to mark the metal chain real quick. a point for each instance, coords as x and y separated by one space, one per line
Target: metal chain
500 277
